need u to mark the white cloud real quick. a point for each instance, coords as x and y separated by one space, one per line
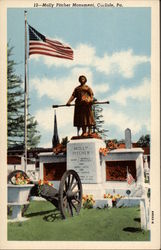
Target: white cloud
45 120
122 62
140 93
60 88
100 88
57 62
45 144
123 121
84 55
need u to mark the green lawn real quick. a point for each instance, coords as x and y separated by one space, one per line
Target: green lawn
45 224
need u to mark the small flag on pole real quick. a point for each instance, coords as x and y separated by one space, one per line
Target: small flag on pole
39 44
130 178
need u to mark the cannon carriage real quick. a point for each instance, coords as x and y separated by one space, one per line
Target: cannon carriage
67 199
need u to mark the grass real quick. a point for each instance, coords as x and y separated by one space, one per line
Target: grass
45 224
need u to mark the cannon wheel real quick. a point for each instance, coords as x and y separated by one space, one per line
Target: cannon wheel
70 194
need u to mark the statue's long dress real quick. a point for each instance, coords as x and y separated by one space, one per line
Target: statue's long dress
83 115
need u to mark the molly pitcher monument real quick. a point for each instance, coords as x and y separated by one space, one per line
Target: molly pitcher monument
83 151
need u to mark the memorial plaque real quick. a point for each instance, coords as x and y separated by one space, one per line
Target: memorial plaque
84 159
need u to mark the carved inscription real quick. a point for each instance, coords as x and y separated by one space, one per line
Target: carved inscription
81 158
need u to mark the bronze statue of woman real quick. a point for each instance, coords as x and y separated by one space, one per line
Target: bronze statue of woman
83 115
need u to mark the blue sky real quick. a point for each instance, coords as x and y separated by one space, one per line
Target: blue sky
111 47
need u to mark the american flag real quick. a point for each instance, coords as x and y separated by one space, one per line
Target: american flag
130 178
39 44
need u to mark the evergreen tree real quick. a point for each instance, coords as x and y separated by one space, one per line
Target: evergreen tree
15 110
64 141
144 141
98 128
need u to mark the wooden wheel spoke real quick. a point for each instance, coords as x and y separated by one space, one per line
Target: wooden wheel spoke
66 186
67 207
64 199
71 183
70 207
76 199
75 184
75 192
68 181
70 194
76 208
65 203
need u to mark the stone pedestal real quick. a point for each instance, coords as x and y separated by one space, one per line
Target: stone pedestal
83 156
18 196
16 213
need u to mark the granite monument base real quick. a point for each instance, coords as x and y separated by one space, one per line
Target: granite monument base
84 157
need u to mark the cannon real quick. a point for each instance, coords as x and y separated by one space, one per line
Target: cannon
67 199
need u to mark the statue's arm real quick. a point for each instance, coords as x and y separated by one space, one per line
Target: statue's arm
70 100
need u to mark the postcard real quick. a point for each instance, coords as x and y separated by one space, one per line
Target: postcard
80 127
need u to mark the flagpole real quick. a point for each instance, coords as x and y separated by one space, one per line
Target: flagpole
25 97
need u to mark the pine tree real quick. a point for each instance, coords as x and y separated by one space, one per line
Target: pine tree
144 141
98 128
15 110
64 141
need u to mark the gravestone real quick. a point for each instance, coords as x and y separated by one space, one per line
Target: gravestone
128 138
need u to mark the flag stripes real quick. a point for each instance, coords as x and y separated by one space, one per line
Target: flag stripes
39 44
130 179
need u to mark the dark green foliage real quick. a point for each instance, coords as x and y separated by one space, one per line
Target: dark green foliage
112 140
97 111
15 110
144 141
64 141
121 141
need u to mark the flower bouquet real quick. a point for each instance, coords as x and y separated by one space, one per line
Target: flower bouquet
20 179
103 151
88 201
19 187
43 185
114 198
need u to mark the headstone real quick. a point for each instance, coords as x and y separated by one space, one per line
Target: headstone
128 138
